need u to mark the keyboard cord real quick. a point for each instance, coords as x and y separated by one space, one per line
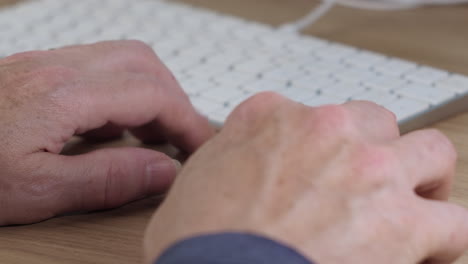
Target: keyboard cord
326 5
309 19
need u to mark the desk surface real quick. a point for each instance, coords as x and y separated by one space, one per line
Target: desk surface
433 36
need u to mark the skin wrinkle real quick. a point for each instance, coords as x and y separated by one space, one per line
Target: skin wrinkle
10 143
89 184
42 123
108 186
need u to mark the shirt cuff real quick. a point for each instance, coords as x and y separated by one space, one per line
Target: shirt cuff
230 248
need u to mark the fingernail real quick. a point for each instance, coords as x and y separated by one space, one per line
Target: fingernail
162 167
160 175
177 165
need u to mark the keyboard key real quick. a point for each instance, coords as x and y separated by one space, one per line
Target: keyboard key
335 52
384 82
426 93
323 100
305 45
405 108
376 96
313 82
195 86
323 68
426 75
364 59
249 33
219 116
353 75
284 73
394 67
343 90
265 85
299 94
276 41
236 101
254 66
455 83
202 70
222 94
225 59
233 78
205 106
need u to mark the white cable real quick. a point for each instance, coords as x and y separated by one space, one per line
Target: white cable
326 5
378 4
395 4
310 18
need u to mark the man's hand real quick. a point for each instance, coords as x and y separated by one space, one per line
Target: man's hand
336 182
96 91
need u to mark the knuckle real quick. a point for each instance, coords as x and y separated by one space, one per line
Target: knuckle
386 115
390 115
139 46
149 83
440 143
376 115
371 164
265 99
383 112
390 121
332 119
137 56
258 105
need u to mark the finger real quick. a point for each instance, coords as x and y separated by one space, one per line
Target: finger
375 122
257 107
107 178
429 159
107 132
445 232
134 100
112 56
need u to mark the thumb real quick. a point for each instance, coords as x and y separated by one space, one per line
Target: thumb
110 177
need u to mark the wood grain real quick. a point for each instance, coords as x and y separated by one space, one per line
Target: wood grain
433 36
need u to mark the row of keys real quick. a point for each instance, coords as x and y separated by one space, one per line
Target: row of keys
220 60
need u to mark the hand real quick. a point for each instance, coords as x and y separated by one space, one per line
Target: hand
336 182
96 91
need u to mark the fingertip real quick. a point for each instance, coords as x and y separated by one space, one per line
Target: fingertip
199 132
448 226
160 175
206 132
109 178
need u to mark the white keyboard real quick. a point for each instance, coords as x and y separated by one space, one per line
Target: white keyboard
221 60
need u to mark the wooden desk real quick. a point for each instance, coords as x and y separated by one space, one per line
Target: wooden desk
434 36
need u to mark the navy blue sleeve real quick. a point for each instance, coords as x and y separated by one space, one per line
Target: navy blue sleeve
230 248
